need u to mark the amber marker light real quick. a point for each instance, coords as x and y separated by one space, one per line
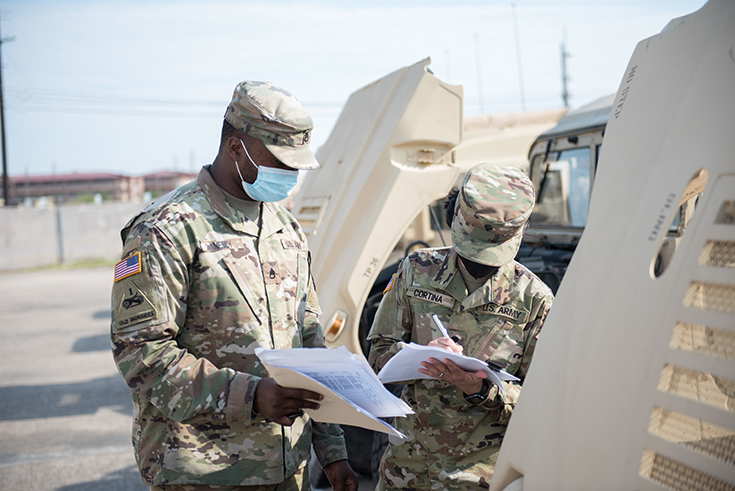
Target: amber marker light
335 326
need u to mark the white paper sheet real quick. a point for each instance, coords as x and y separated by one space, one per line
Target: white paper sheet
352 393
406 363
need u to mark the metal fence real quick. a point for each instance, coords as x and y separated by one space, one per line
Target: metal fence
66 234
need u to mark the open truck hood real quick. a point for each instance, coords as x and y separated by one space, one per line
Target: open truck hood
388 156
631 384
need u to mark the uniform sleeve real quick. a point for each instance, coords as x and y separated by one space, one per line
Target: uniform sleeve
148 310
312 335
393 323
327 439
504 406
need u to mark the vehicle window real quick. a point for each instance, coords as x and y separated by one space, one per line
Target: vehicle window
565 197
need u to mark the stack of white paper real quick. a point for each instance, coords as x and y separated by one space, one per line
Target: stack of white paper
353 395
405 364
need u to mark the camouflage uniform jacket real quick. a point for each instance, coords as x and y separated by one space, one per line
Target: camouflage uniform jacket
212 287
499 321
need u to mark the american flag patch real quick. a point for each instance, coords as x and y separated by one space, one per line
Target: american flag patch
128 266
390 284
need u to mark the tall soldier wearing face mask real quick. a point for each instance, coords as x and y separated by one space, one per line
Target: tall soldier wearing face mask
209 272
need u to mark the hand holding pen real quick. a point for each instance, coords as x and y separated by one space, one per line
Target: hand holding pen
447 342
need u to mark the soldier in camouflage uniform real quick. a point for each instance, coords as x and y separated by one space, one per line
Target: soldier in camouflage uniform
493 309
211 271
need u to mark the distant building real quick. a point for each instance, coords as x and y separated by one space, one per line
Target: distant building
63 188
66 188
160 183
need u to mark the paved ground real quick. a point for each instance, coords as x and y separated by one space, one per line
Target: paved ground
65 413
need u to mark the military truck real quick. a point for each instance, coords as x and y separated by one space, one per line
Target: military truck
632 385
563 164
399 146
396 150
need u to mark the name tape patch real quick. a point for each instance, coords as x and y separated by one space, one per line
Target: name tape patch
430 296
128 267
510 312
292 244
218 245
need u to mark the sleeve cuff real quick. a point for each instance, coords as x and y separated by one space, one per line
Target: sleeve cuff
240 399
494 398
328 443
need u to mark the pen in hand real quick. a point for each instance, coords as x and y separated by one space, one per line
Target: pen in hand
438 324
443 330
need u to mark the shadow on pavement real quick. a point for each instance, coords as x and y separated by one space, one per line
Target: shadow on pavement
101 314
49 401
100 342
123 480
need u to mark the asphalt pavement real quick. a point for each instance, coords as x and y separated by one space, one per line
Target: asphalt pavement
65 412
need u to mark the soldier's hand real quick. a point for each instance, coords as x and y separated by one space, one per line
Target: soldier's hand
447 344
468 382
341 476
283 405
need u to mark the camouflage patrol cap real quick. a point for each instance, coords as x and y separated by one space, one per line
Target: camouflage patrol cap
273 115
492 207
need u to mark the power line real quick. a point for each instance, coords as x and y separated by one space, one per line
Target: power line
64 101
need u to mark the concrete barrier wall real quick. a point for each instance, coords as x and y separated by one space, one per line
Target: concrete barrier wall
66 234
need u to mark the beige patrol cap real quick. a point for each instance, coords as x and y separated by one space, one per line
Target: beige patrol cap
492 208
271 114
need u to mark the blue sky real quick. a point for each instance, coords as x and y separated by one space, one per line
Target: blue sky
139 86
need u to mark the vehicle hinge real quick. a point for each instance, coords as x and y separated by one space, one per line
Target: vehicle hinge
423 156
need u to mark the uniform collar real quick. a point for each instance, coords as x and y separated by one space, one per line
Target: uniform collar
495 290
448 277
232 216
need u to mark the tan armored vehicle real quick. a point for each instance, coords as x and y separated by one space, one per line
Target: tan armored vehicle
397 149
632 384
399 146
563 163
633 381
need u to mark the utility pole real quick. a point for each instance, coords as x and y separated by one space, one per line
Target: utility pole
479 73
6 194
564 79
447 73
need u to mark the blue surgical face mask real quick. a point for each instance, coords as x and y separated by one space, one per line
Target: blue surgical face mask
271 184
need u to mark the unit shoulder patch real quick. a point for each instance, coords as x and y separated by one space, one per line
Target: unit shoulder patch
133 306
430 296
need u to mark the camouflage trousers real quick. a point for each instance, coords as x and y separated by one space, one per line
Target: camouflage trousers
299 481
413 467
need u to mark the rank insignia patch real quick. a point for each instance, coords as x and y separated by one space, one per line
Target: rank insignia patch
128 266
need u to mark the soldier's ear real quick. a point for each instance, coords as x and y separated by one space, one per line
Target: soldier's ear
234 149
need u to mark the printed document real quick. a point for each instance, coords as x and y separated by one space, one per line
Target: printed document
405 364
353 395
